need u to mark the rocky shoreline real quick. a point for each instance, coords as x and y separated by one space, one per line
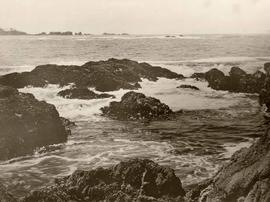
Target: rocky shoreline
109 75
27 123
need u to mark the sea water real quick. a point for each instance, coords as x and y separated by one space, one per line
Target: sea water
211 126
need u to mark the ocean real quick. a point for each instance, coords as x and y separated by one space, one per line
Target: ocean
210 128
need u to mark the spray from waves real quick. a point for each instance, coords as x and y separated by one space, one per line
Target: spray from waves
188 67
164 89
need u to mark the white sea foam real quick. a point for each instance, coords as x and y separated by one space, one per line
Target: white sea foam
231 148
109 152
164 89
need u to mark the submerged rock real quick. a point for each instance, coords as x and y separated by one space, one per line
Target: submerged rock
82 93
136 106
109 75
245 178
133 180
188 86
26 124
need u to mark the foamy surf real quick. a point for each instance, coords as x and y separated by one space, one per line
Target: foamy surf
164 89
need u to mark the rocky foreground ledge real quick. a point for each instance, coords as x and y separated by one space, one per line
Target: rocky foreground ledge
134 180
246 178
26 124
109 75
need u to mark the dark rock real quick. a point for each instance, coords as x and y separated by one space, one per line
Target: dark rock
5 196
82 93
189 86
237 73
26 124
67 123
237 81
133 180
198 76
216 79
107 75
194 193
267 68
136 106
6 91
245 177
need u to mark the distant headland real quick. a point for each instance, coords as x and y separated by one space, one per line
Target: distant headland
12 31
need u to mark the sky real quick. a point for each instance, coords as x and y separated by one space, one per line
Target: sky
137 16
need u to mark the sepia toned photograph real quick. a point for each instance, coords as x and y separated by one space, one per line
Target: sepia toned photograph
134 101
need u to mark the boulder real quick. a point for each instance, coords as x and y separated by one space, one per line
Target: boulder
26 124
136 106
237 73
133 180
189 87
83 93
109 75
245 178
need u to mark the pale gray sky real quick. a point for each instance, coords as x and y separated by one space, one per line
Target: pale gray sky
137 16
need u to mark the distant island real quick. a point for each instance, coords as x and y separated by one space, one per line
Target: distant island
113 34
67 33
11 32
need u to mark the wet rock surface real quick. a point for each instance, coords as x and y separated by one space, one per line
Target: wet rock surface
26 124
109 75
264 97
237 80
133 180
136 106
83 93
188 87
245 178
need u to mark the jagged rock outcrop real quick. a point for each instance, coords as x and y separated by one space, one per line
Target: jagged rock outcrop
136 106
245 178
188 87
133 180
237 81
109 75
27 123
83 93
264 97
